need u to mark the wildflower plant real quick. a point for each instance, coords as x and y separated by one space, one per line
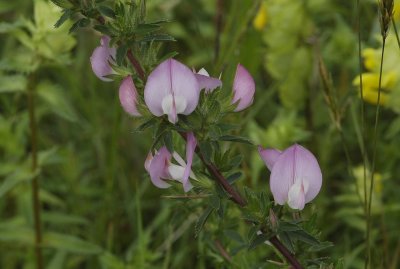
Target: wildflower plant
183 108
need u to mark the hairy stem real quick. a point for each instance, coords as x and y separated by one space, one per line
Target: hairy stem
285 252
136 65
34 167
377 112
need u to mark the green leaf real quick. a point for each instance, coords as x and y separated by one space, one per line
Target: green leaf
63 3
287 241
320 246
202 220
158 37
206 150
121 53
168 141
12 83
106 11
233 138
259 239
58 260
103 29
285 226
234 177
215 201
84 22
74 27
146 28
64 17
70 244
305 237
19 176
109 261
147 124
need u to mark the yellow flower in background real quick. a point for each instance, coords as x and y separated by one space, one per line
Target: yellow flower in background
396 13
261 18
371 58
371 85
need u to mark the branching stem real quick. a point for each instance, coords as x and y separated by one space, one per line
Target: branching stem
34 167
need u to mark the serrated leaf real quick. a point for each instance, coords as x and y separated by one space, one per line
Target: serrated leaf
74 27
285 226
320 246
202 220
106 11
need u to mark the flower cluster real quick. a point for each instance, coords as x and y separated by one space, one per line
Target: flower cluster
171 89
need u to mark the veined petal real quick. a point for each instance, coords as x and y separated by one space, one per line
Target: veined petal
175 82
101 57
128 96
244 88
158 168
269 156
190 148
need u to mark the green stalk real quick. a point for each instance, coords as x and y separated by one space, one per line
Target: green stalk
377 112
34 167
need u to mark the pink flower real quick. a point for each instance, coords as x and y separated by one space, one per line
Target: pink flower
171 89
128 96
243 88
296 177
101 58
206 82
161 168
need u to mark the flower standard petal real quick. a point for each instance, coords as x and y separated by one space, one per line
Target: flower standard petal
171 89
190 148
296 177
157 167
206 82
101 57
243 88
128 96
269 156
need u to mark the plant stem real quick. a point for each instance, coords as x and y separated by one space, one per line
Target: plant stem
34 167
136 65
285 252
374 155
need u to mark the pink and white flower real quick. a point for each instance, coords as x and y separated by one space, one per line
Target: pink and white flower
296 177
171 89
161 168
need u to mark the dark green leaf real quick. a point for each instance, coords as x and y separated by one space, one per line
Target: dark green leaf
202 220
106 11
206 150
287 241
235 176
320 246
233 138
305 237
63 3
168 141
259 239
84 22
121 53
215 201
103 29
158 37
146 28
74 26
147 124
67 13
285 226
234 235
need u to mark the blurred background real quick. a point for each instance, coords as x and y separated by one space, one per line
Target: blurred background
99 209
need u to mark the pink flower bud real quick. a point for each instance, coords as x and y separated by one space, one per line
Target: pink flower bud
101 57
296 177
206 82
128 96
244 88
171 89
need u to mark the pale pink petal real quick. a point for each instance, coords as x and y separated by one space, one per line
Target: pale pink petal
243 88
191 143
269 156
296 199
100 59
171 89
158 168
206 82
282 175
308 170
128 96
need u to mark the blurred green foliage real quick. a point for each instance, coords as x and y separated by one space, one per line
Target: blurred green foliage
99 208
